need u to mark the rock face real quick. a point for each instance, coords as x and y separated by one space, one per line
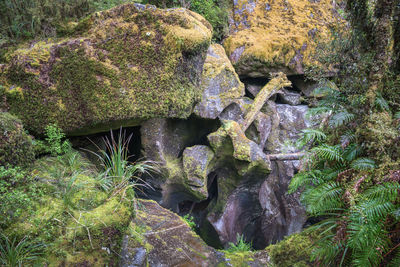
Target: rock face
220 84
124 66
158 237
270 36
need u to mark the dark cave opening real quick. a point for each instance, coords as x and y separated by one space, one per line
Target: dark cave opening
94 143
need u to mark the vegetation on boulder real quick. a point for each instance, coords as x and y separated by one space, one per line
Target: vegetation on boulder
276 35
16 146
106 77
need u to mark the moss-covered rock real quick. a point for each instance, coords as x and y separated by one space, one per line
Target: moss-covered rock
165 238
123 66
15 145
219 82
276 35
198 162
231 140
79 222
295 250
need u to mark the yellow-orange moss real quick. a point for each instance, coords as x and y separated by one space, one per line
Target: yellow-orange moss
275 30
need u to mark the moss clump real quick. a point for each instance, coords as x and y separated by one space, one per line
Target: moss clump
277 35
129 64
80 223
15 145
294 250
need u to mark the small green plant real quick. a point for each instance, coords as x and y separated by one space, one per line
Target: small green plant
190 221
15 253
120 176
240 246
55 139
13 201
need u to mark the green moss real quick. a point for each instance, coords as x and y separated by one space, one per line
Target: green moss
294 250
78 222
108 77
278 35
15 145
238 259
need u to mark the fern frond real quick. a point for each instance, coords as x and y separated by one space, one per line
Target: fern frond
351 152
363 164
327 152
306 178
324 198
326 251
348 136
308 136
317 111
397 115
385 192
381 103
395 262
341 118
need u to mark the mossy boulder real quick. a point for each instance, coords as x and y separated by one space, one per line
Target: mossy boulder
270 36
219 82
15 145
165 239
80 223
293 251
230 140
122 66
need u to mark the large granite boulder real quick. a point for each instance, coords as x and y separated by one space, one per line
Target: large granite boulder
122 66
270 36
219 83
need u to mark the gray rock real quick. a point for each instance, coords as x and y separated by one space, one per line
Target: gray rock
163 141
220 84
287 122
289 97
236 110
282 213
197 164
306 87
254 89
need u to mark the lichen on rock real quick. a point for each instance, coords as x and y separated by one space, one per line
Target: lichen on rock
219 83
270 36
123 66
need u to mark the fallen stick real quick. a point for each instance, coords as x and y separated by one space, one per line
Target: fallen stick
273 86
287 156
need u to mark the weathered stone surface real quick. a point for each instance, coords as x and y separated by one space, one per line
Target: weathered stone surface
158 237
287 122
219 83
126 65
164 141
240 215
270 36
231 140
254 89
282 213
289 97
165 239
260 130
198 162
237 110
